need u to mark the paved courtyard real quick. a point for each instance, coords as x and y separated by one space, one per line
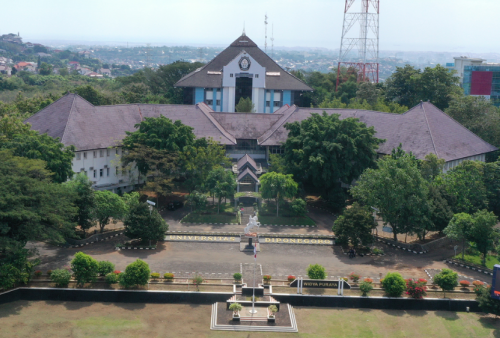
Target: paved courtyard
278 260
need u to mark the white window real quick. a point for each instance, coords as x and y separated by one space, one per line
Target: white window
101 153
78 156
101 172
95 154
117 151
95 173
107 171
85 155
108 152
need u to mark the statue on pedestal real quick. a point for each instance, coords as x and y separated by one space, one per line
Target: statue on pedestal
252 223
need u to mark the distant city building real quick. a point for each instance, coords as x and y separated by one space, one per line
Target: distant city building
478 77
242 70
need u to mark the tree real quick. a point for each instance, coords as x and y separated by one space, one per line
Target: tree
431 167
277 163
399 191
196 200
393 284
108 205
482 232
32 207
145 224
408 86
63 71
277 186
245 105
440 212
492 183
159 133
236 308
325 151
459 228
316 271
447 280
16 267
105 267
85 268
465 184
221 184
30 144
198 160
486 303
298 207
136 273
45 69
85 201
354 226
368 91
477 114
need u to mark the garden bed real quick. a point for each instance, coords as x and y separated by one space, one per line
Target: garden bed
226 214
477 261
281 220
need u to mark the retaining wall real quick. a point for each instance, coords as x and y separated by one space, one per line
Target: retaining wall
146 296
94 238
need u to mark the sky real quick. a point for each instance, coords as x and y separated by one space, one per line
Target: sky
405 25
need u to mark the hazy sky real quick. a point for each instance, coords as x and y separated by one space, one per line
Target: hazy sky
413 25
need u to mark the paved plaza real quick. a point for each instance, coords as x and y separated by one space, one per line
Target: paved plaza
278 260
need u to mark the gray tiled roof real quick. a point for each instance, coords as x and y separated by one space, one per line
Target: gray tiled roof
422 130
200 77
245 173
77 122
247 161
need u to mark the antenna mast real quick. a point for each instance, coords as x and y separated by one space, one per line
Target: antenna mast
272 40
265 32
367 40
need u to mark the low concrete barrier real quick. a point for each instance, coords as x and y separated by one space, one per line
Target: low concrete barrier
94 238
155 296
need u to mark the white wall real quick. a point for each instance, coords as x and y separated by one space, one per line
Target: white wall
107 160
452 164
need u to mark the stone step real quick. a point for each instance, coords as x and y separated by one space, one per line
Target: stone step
253 319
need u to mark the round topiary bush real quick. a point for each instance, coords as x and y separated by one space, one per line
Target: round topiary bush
366 287
168 276
136 273
111 278
393 284
61 277
105 267
237 276
316 271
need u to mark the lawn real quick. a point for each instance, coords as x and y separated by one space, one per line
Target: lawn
83 319
478 260
286 220
226 214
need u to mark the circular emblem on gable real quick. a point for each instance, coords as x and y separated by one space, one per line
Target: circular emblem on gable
244 63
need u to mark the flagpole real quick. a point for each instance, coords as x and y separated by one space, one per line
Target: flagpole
254 261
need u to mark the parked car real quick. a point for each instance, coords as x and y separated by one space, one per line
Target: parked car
175 205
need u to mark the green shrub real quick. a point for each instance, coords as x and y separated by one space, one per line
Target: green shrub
197 280
273 309
49 272
168 276
267 278
235 307
136 273
61 277
316 271
105 267
112 278
394 284
366 287
298 207
237 276
155 275
447 280
85 268
377 251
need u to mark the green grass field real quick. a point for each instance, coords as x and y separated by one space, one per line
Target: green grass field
84 319
286 220
212 216
477 260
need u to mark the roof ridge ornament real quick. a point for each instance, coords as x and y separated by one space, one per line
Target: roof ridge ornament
243 34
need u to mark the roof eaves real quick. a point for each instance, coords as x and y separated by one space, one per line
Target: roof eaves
205 109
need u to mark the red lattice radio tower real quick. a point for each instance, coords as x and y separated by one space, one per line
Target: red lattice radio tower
366 40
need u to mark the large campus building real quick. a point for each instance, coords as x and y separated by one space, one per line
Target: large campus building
242 70
97 131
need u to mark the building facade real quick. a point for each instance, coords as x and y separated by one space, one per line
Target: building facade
242 70
97 133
